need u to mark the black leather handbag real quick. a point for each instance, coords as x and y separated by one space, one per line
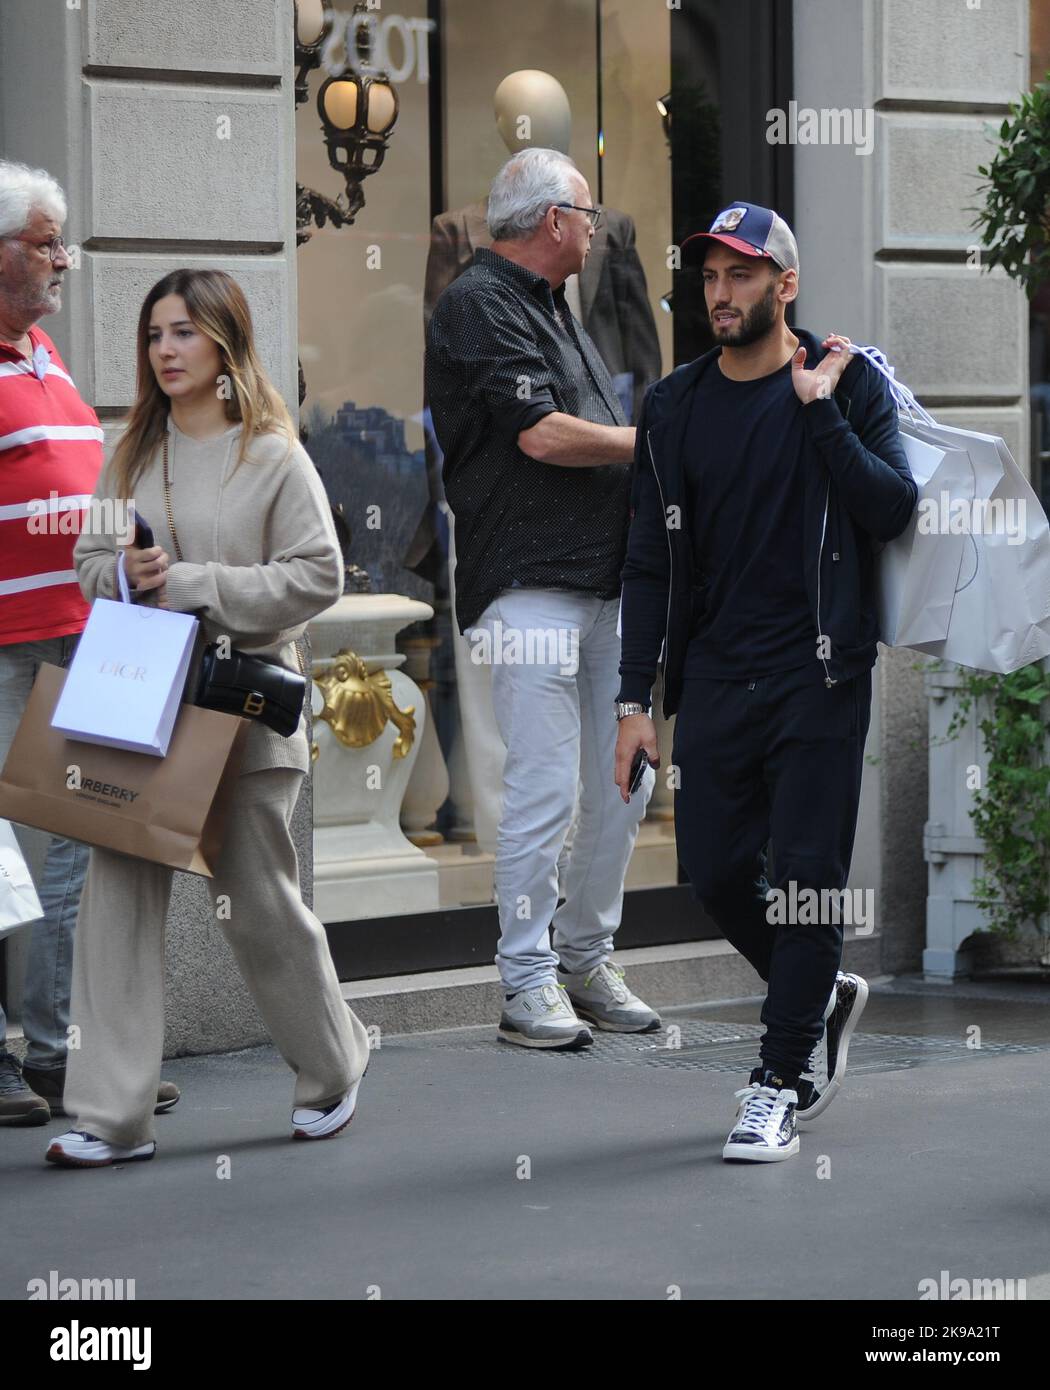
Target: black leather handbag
253 688
241 684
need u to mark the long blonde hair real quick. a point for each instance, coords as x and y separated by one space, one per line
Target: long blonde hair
217 306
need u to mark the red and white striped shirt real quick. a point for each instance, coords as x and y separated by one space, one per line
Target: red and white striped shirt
50 459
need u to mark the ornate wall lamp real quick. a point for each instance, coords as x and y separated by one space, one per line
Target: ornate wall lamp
358 109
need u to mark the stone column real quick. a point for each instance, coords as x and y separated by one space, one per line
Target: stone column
885 248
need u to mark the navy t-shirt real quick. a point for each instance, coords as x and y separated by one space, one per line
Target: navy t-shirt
743 466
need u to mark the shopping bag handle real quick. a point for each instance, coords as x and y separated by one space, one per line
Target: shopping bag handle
903 396
122 579
976 565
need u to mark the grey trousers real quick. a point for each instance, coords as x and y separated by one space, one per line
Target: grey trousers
45 994
279 945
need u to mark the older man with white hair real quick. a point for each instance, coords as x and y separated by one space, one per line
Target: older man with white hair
50 457
537 462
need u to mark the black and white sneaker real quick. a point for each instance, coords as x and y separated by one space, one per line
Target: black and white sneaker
822 1080
765 1124
814 1077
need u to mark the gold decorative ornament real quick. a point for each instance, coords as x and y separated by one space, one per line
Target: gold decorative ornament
357 705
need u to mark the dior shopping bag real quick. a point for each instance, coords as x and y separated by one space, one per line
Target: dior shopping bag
126 678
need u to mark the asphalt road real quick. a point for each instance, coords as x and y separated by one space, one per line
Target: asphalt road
478 1171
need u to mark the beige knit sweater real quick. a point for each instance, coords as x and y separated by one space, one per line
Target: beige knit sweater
260 555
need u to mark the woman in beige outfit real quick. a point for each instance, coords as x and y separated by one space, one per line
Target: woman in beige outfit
255 558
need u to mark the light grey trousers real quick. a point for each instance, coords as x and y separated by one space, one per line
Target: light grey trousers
279 945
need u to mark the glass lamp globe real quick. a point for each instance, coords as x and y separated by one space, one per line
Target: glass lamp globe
309 20
382 108
340 103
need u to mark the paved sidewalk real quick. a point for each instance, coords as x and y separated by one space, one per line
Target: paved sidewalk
936 1166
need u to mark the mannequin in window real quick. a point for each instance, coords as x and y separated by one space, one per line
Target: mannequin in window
610 297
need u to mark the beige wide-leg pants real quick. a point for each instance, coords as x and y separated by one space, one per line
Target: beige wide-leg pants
279 945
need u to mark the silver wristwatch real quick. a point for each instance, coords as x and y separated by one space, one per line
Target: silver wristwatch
626 707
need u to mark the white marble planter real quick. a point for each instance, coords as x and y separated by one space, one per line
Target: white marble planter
429 783
363 864
953 852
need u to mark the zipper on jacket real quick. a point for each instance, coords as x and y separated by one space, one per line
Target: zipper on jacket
820 555
670 554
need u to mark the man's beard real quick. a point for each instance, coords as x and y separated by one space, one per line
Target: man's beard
33 303
51 300
756 323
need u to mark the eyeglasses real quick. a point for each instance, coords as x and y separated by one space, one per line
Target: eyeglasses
52 247
596 215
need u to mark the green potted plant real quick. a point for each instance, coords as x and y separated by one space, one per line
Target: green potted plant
1014 218
1011 808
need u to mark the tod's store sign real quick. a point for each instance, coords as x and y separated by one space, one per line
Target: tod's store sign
398 46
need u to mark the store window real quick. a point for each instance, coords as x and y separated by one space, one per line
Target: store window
638 95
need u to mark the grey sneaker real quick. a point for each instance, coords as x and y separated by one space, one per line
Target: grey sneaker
542 1017
601 996
18 1104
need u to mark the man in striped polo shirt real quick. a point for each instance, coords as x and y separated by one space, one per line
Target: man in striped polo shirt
50 458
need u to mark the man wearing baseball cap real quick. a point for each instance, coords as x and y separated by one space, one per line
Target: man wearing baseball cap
763 473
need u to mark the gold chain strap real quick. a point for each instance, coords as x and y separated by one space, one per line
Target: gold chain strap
167 504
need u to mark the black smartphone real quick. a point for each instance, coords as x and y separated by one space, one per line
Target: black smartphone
638 766
143 533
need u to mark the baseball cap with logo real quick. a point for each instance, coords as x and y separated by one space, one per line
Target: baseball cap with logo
753 230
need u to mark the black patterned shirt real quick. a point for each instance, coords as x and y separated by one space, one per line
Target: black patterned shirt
503 351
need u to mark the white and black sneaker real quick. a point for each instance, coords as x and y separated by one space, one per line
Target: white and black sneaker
765 1124
331 1120
814 1077
79 1149
822 1079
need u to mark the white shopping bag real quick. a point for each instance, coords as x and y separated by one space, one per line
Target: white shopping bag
919 574
19 903
1001 615
125 681
977 497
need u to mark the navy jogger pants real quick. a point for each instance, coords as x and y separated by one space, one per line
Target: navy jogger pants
769 788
